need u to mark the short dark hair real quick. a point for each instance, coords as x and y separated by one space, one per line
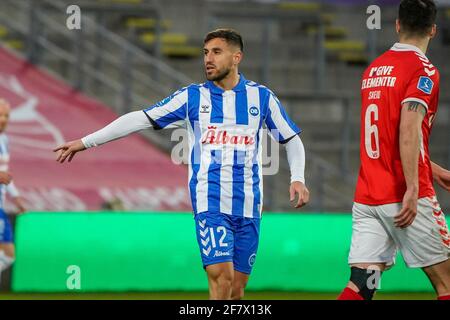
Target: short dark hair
229 35
417 17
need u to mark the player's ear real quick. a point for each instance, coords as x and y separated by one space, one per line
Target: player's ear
397 26
433 31
238 57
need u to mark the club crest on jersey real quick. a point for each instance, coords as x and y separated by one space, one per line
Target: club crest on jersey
205 109
425 84
254 111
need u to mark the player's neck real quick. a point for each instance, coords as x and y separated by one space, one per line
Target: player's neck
422 44
229 82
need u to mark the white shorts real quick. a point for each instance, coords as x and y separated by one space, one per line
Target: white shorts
375 239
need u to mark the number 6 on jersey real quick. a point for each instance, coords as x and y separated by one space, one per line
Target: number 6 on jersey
372 130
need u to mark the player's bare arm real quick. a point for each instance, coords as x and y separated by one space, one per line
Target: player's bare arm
412 115
296 158
441 176
129 123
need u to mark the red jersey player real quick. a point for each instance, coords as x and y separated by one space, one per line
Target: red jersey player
395 204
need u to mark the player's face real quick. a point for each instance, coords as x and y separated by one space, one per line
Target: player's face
220 58
4 116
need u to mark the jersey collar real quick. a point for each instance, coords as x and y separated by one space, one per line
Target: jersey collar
406 47
239 87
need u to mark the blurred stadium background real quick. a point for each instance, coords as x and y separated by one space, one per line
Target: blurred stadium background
121 212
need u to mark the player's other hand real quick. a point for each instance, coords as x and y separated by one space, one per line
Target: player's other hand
408 212
5 178
299 188
442 177
68 150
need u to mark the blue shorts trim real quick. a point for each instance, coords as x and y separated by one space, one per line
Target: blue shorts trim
226 238
6 232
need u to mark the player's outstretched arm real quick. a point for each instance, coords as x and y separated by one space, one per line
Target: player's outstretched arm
441 176
121 127
296 158
411 118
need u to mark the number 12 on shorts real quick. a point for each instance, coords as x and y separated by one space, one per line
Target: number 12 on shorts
220 231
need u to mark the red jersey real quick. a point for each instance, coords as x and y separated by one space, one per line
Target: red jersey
400 75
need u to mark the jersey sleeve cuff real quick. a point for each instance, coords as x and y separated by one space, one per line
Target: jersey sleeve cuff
416 100
87 142
298 179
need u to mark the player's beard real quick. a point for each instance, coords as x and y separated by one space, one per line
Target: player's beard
220 76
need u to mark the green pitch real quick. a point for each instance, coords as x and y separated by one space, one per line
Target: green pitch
203 296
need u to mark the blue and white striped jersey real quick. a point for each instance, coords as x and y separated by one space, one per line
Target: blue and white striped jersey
225 135
4 166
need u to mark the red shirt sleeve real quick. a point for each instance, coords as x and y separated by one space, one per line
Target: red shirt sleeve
423 86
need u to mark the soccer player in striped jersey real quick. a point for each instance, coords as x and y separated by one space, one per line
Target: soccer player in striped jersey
224 118
395 202
7 254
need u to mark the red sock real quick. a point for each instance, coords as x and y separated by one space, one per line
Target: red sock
349 294
444 297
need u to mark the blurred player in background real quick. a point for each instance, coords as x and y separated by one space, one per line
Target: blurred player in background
395 202
224 119
7 254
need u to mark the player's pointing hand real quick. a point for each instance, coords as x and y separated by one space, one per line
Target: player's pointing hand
299 188
68 150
